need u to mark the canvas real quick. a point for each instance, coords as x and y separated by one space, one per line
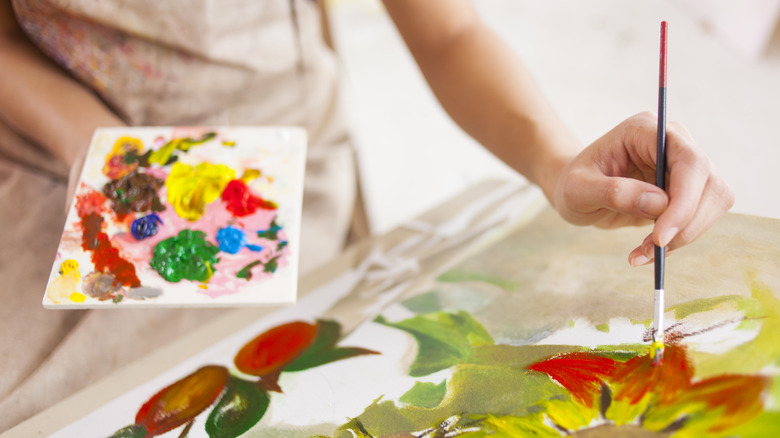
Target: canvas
541 333
183 216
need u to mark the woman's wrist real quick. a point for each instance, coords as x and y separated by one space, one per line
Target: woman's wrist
555 151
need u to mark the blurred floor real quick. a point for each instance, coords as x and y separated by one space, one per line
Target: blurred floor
596 61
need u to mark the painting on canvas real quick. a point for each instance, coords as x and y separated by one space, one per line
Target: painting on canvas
537 335
183 216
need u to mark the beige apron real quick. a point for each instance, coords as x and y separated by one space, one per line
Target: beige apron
200 62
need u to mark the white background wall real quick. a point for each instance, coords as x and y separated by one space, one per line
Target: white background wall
596 60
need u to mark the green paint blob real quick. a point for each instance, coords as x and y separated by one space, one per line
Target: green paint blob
704 304
324 350
164 156
425 394
185 256
766 424
242 405
644 322
246 271
271 266
602 328
133 431
622 352
472 389
762 350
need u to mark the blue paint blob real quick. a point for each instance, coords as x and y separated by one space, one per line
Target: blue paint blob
255 248
231 239
146 226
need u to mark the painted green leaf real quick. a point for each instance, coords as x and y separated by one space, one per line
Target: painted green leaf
444 339
242 405
462 276
425 394
133 431
472 389
323 349
246 271
271 265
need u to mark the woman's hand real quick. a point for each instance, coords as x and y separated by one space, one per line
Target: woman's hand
612 183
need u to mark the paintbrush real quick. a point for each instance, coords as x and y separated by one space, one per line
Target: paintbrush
657 349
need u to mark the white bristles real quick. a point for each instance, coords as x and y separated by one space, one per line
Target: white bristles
658 319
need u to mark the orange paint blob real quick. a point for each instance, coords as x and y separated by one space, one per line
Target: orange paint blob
182 401
666 380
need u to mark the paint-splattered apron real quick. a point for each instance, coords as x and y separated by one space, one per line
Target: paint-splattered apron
200 62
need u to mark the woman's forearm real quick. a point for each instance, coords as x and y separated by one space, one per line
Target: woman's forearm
485 88
42 102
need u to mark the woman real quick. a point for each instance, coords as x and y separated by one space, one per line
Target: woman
69 67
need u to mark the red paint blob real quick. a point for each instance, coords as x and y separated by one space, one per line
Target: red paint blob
91 202
241 202
105 257
582 373
266 355
182 401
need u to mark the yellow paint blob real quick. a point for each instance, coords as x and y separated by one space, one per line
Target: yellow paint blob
70 266
116 166
656 347
211 271
125 144
60 289
77 297
162 155
249 175
190 189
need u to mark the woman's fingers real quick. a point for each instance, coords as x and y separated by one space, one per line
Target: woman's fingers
717 198
688 173
612 184
698 196
610 202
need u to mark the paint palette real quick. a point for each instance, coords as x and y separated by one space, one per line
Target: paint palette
183 216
